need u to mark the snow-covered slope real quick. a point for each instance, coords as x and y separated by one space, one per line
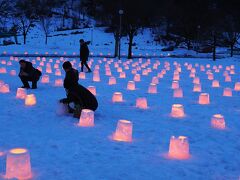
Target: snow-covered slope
61 150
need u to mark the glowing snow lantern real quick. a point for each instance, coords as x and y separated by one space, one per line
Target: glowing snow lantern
237 86
56 66
141 103
49 70
112 81
4 88
196 80
122 75
92 89
3 70
21 93
18 164
179 148
175 85
45 79
218 121
13 73
192 75
210 76
96 77
145 72
58 83
228 79
30 100
131 85
108 72
123 131
178 93
176 77
137 77
197 88
58 72
215 84
152 89
82 75
177 111
227 92
117 97
155 80
86 118
119 69
204 99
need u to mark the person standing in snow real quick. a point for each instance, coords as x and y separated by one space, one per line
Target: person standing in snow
76 93
28 73
84 53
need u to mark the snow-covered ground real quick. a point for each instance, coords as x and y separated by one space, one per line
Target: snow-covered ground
67 43
61 150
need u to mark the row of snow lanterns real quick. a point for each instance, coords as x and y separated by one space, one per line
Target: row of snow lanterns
18 160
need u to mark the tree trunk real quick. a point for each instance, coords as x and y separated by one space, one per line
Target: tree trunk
214 46
130 46
24 38
116 45
232 46
46 39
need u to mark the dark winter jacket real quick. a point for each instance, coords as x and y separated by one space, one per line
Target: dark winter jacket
31 71
71 79
77 93
84 52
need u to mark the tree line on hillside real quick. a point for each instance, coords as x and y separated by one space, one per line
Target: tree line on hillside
207 23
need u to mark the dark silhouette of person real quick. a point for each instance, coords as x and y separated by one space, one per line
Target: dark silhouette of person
76 93
28 73
84 53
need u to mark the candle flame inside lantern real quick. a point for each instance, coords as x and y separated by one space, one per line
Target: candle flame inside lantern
179 148
177 111
218 121
18 164
204 99
123 131
86 118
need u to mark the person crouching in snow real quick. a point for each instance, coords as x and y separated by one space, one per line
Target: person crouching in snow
28 73
76 93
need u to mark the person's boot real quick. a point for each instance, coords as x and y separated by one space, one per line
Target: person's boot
77 111
34 85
